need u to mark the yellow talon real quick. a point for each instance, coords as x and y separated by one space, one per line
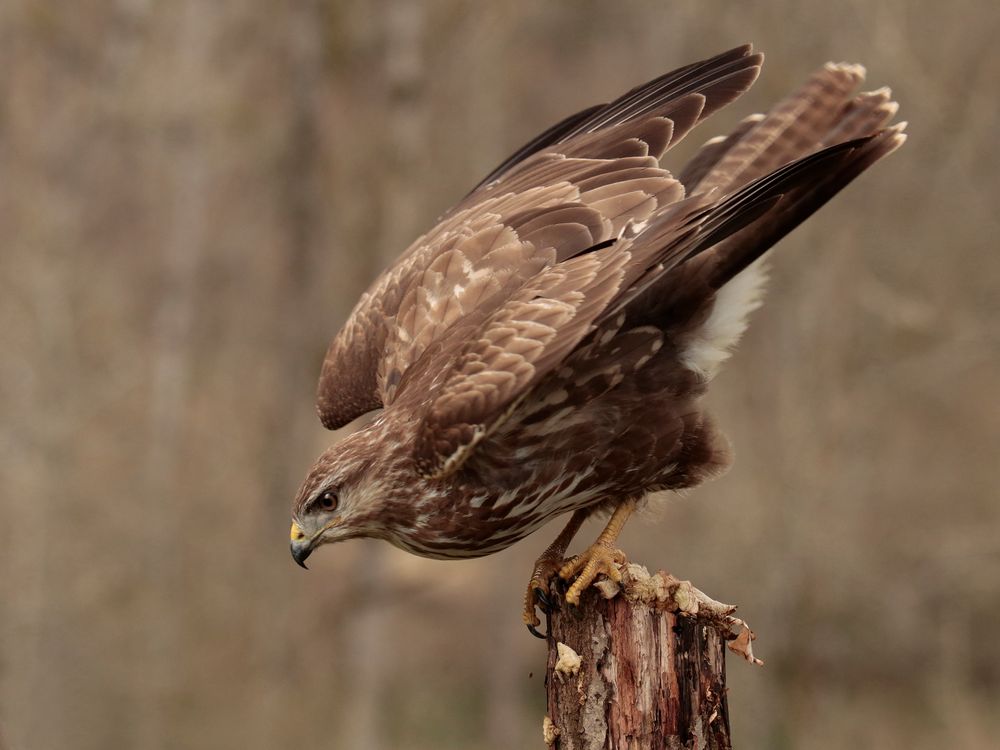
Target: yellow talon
600 557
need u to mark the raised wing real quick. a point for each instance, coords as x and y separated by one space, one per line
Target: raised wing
487 374
576 186
627 297
721 79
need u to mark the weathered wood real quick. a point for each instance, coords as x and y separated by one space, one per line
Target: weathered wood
644 669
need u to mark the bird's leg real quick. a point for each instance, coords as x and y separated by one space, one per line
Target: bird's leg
546 567
600 557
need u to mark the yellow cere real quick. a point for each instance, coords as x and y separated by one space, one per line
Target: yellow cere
296 532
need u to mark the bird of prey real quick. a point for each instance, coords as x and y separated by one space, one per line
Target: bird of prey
544 349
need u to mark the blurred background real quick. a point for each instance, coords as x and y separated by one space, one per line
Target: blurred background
192 196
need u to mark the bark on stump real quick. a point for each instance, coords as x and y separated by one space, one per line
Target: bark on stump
641 666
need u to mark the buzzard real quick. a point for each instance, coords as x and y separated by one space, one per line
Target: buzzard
545 348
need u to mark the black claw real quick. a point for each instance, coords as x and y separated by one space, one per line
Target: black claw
543 599
534 631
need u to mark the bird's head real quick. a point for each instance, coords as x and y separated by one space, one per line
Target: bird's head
339 499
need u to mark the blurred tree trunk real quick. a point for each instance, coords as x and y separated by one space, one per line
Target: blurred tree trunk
400 33
305 226
172 348
502 676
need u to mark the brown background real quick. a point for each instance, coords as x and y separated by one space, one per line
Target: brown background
192 195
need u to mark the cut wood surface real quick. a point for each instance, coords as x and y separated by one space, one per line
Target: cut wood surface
641 666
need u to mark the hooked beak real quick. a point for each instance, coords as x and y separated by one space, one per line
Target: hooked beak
302 546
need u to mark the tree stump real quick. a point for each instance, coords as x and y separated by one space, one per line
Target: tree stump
641 666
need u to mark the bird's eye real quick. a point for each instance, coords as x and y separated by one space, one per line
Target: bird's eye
328 500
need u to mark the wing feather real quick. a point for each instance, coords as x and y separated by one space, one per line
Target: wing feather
537 330
522 341
591 178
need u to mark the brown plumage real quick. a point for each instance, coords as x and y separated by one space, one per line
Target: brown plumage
545 347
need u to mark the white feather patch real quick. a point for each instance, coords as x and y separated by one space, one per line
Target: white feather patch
734 302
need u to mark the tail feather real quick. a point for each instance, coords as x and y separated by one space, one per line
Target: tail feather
797 126
708 156
733 254
705 300
864 114
710 241
763 151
